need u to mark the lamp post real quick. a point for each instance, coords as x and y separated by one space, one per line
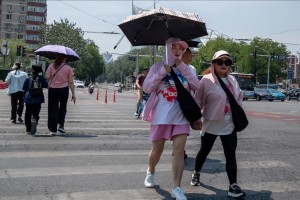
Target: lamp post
269 61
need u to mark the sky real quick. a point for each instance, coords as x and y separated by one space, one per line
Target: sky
276 20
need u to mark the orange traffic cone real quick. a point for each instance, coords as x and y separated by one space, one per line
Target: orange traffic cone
114 97
97 95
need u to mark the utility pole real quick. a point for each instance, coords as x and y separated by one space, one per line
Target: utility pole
153 47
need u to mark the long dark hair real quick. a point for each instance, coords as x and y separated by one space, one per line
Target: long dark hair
59 59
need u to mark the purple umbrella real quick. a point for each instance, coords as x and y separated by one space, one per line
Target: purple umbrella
52 51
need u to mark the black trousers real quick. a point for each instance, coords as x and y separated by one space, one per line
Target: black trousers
32 112
17 104
57 107
229 143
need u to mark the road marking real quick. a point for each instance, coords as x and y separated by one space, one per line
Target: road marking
147 193
104 169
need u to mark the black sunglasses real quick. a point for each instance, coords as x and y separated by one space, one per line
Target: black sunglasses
226 62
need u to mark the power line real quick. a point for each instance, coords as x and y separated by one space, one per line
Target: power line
87 13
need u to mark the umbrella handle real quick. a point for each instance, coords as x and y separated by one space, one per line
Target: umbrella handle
167 60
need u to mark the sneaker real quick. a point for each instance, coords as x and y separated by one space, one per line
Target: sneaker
20 120
235 191
33 127
149 180
13 121
28 133
136 113
61 129
178 194
195 179
53 133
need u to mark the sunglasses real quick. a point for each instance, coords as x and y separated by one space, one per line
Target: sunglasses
226 62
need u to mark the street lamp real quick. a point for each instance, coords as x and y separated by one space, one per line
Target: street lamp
269 61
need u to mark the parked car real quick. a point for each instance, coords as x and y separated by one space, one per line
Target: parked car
78 84
118 84
293 94
262 94
277 94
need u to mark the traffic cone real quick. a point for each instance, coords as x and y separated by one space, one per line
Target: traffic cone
105 98
114 97
97 95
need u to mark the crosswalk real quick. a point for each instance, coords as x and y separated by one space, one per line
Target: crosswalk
104 156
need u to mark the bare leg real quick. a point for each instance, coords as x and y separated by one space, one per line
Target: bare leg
155 153
178 158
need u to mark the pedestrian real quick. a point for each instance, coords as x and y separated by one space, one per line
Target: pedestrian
187 58
34 97
15 80
163 112
60 79
139 85
217 119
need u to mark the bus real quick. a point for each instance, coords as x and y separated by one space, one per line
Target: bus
246 82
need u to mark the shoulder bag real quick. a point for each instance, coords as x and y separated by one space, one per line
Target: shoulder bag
190 109
239 117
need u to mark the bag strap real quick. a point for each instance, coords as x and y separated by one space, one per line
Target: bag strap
50 79
178 83
230 96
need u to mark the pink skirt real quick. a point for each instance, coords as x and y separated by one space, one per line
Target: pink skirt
167 131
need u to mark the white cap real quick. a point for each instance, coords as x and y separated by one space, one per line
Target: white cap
221 54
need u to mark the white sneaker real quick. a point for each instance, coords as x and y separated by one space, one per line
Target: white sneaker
178 194
136 113
53 133
149 180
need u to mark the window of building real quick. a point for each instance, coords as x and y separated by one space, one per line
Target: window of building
36 9
20 36
35 18
8 16
33 27
37 1
33 37
8 35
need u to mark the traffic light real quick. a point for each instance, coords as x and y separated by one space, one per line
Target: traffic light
272 55
23 53
132 58
254 53
19 50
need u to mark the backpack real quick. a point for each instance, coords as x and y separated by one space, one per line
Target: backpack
35 88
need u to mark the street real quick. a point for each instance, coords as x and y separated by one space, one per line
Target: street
104 153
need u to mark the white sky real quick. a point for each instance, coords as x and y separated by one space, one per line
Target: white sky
277 20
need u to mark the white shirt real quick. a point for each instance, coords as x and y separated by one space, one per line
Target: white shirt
15 80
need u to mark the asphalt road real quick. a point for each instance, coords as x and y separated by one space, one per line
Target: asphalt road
103 155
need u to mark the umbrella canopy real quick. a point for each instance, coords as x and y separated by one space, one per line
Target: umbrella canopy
52 51
156 26
194 42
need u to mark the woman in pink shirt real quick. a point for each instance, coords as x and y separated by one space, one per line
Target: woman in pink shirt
60 79
164 113
217 120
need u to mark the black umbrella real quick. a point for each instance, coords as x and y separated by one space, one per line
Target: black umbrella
156 26
194 42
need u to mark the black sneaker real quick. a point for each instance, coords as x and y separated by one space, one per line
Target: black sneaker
33 127
235 191
20 120
195 179
61 129
13 121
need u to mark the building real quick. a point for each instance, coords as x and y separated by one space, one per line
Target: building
21 19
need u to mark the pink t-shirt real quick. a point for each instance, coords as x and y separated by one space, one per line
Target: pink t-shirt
61 79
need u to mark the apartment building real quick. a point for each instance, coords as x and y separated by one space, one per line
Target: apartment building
21 19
